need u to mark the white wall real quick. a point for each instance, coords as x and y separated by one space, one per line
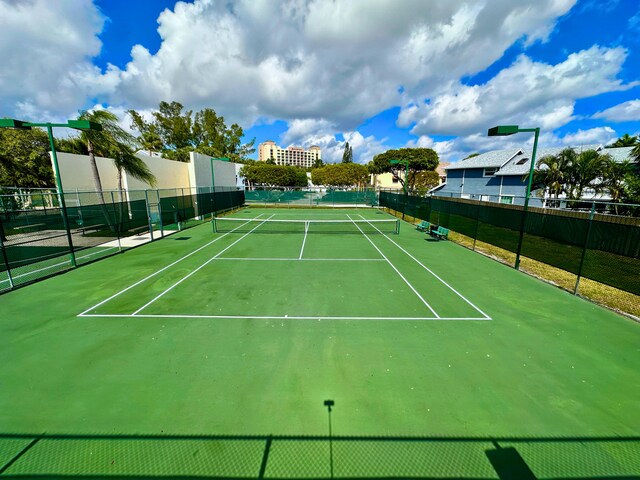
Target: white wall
75 171
200 171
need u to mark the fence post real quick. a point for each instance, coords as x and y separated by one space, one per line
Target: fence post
4 255
160 213
475 234
116 216
584 248
146 199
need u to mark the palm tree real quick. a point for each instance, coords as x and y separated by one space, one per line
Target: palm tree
553 172
586 171
625 140
112 140
614 178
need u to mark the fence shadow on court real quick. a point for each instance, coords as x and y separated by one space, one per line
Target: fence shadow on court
50 456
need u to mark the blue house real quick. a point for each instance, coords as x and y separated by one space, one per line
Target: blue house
500 175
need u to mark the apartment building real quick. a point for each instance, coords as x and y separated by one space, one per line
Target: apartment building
296 156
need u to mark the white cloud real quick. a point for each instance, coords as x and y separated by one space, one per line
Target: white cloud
600 135
624 112
527 92
45 52
341 60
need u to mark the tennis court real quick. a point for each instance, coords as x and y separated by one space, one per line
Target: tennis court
211 353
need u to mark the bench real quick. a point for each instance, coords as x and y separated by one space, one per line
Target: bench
96 227
440 233
27 228
423 226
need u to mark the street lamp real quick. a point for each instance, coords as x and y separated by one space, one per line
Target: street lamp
395 161
505 130
78 125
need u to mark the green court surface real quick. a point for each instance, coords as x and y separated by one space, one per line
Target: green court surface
211 354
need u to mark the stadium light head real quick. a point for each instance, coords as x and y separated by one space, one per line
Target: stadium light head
84 125
11 123
503 130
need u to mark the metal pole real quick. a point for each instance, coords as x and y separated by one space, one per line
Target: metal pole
584 248
4 255
160 213
146 197
526 199
118 224
61 201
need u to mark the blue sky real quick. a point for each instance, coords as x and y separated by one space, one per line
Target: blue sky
379 75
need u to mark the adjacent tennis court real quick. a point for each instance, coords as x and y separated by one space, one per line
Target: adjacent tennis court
223 346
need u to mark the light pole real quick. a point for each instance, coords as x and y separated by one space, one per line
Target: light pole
78 125
505 130
395 161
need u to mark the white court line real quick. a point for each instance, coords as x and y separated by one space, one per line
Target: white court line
304 240
267 259
274 317
56 264
198 269
162 269
487 317
393 266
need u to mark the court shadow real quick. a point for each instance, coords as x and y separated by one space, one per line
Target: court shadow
61 456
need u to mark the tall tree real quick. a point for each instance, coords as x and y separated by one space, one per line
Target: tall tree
176 132
420 159
347 154
341 175
24 158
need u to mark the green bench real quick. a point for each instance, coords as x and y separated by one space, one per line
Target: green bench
423 226
440 233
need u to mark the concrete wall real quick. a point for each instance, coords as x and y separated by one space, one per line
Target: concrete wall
200 171
75 171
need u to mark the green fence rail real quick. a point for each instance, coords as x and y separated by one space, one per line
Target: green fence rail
35 243
597 246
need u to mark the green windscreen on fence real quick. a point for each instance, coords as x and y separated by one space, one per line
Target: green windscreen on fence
35 243
603 248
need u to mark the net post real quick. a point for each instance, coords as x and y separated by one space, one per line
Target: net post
214 225
398 227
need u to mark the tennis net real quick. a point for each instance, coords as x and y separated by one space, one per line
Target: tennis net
258 225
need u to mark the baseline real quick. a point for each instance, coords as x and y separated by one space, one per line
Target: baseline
274 317
159 271
487 317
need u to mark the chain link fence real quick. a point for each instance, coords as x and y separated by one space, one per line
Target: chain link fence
310 197
296 457
592 249
39 238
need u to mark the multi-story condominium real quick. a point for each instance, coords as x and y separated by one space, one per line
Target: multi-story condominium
296 156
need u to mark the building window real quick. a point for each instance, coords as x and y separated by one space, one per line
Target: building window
522 161
489 172
507 199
